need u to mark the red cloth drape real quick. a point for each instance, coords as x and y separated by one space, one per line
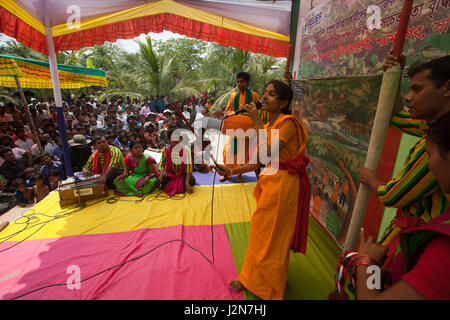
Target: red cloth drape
127 29
298 167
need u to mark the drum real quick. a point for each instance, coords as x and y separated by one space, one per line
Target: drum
237 122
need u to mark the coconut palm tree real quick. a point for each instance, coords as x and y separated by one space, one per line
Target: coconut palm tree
14 48
223 63
72 58
154 69
6 96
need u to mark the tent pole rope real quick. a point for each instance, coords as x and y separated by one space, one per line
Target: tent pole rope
386 100
27 112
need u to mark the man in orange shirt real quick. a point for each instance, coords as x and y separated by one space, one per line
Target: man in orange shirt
238 99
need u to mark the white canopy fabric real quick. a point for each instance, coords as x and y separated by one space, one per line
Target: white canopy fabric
253 25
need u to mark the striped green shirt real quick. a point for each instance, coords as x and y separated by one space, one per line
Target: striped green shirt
176 160
116 160
415 191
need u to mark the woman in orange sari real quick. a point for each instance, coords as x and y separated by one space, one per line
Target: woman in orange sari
282 193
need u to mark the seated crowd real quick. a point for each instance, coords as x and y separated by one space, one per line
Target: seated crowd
106 139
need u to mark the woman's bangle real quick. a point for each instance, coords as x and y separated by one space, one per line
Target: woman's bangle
365 261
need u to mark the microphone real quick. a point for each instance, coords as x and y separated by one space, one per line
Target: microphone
258 106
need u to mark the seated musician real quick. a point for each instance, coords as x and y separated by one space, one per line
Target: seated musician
176 169
106 160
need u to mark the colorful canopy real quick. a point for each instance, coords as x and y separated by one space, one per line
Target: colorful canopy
257 26
36 74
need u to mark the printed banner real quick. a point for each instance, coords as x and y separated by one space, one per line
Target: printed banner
338 115
352 37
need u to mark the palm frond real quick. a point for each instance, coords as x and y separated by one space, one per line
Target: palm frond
222 101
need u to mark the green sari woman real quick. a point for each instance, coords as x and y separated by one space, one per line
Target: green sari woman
139 176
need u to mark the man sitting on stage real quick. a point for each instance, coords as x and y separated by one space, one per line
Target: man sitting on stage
106 160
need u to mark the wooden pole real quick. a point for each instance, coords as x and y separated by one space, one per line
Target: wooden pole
27 112
388 92
287 72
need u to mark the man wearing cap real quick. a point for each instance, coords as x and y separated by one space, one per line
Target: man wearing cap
106 160
80 151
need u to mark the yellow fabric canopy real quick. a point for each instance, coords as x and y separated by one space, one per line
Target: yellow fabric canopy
36 74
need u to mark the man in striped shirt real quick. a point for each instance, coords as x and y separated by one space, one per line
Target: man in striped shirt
415 191
106 160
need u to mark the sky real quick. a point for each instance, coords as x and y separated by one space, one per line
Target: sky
131 46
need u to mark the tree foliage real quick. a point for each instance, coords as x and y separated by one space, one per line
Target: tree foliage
176 68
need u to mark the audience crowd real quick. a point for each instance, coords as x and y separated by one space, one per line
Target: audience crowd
28 174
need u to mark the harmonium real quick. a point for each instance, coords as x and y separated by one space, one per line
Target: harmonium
76 190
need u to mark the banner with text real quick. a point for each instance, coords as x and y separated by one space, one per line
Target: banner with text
352 37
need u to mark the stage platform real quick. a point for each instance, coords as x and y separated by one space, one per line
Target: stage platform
179 248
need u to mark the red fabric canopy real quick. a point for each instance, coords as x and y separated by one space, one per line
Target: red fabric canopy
14 25
21 31
158 23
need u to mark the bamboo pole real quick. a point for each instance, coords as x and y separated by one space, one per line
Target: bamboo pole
386 100
27 112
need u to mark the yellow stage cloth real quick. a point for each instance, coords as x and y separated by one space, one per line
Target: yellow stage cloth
232 203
